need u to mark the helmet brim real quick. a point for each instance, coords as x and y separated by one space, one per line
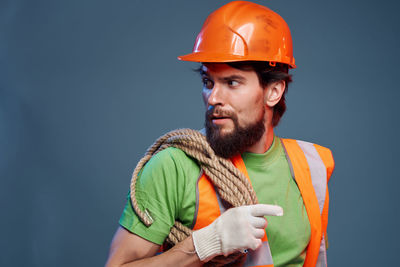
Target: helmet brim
221 58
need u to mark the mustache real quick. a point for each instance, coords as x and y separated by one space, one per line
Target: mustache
218 112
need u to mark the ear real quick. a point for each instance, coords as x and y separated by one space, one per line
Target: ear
273 93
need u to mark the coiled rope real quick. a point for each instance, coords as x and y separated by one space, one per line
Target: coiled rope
230 183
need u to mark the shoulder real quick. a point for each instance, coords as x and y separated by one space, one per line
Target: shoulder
311 150
168 163
306 146
170 157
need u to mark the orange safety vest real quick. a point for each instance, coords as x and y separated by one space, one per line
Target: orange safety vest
311 166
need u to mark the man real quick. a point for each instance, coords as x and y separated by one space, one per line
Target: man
246 51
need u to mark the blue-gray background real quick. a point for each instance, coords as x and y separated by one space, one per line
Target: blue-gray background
86 86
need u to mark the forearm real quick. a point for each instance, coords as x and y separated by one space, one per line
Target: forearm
183 254
246 223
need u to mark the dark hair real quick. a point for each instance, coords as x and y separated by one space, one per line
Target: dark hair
267 74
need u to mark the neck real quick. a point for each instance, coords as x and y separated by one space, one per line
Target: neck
264 143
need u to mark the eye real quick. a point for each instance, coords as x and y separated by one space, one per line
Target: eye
207 83
233 83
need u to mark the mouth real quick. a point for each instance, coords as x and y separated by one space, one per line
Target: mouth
219 119
218 116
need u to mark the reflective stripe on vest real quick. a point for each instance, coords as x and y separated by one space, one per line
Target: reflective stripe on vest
311 166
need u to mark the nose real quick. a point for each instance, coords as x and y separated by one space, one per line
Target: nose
214 96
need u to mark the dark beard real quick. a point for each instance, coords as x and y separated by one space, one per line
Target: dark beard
235 142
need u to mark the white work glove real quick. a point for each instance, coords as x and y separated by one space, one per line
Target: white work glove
236 229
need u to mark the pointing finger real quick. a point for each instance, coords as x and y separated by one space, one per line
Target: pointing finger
265 210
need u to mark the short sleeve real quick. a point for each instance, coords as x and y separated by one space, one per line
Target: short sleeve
166 188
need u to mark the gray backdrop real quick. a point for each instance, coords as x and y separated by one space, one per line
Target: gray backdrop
86 86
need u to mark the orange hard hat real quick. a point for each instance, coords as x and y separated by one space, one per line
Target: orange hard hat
243 31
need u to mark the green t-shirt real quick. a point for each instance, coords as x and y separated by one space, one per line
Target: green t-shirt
167 189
